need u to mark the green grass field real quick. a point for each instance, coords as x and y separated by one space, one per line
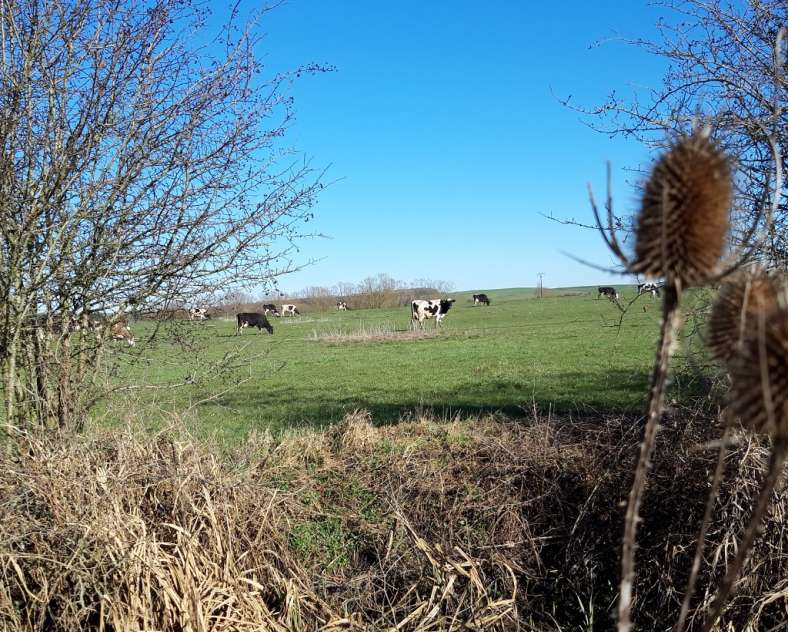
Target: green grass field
562 352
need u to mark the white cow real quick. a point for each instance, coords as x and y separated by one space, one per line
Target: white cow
648 288
421 310
198 313
290 310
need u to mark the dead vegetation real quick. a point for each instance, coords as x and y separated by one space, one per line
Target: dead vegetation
375 332
481 524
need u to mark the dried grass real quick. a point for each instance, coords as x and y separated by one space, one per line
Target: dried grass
462 524
375 332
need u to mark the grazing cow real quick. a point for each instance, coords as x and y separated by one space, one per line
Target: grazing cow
78 322
198 313
118 330
422 310
121 331
290 310
270 308
610 292
100 326
648 288
342 306
253 320
481 299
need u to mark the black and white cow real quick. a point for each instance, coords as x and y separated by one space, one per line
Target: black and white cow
250 319
648 288
481 299
198 313
610 292
290 310
422 310
270 308
342 306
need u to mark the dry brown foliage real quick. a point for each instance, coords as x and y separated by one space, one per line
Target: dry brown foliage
378 332
478 524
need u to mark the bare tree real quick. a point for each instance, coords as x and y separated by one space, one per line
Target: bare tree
723 66
378 291
141 166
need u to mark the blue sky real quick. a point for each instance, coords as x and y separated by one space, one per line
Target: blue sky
445 137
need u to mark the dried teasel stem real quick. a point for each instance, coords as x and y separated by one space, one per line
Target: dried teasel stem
684 216
759 395
659 381
773 472
704 527
742 298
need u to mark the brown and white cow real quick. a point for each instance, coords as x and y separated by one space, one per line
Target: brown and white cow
118 330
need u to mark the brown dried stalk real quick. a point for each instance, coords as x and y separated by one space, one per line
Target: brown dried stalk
670 322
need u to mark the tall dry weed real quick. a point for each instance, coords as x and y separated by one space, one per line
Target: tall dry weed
680 235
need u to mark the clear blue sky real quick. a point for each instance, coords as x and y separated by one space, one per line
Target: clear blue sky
445 135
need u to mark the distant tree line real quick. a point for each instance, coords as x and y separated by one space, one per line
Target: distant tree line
372 292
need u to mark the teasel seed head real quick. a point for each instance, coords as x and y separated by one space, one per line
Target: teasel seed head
759 376
742 297
684 215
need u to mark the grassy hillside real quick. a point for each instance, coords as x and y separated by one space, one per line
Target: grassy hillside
561 352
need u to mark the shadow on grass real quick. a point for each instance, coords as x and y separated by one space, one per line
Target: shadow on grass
587 395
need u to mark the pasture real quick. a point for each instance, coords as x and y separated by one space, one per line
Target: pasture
562 353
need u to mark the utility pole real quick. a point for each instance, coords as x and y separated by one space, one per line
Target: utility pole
540 275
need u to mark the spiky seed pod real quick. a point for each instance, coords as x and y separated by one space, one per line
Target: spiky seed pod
763 361
743 296
684 214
